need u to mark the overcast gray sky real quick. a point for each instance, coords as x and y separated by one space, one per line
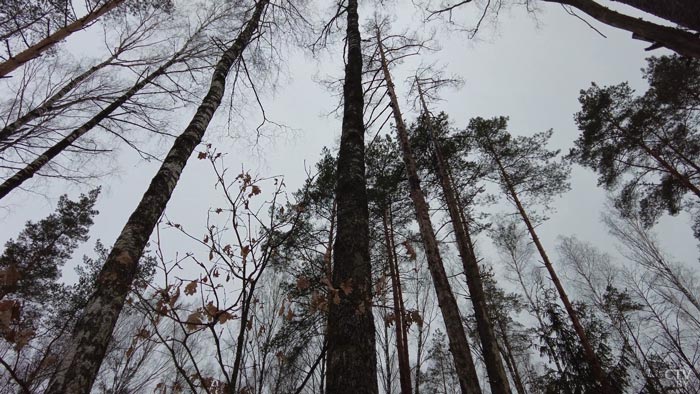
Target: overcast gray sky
529 70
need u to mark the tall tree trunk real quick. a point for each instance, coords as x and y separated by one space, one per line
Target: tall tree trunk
86 348
685 13
588 351
419 359
385 347
459 346
40 47
677 40
498 379
352 361
399 322
399 287
48 105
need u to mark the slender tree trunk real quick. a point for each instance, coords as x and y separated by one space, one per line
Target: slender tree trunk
459 347
538 316
588 351
498 379
510 360
40 47
240 340
387 359
419 359
37 164
8 131
683 42
685 13
352 361
86 348
399 323
399 287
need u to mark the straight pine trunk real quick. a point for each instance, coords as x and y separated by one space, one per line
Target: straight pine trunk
588 351
459 346
680 41
399 321
40 47
685 13
86 348
404 327
498 379
13 128
352 361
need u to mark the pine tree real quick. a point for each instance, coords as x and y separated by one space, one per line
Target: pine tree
351 333
645 147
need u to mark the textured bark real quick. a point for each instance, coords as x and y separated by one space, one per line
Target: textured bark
677 40
352 362
40 47
86 348
8 131
498 379
399 321
37 164
588 351
459 346
685 13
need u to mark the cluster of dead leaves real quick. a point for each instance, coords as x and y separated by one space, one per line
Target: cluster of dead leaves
11 331
209 314
410 317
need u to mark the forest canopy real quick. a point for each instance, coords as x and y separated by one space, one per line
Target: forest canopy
298 196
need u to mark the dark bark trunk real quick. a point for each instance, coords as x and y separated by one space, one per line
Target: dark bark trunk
404 327
40 47
588 351
498 379
683 42
8 131
399 322
352 361
86 348
240 340
459 346
684 13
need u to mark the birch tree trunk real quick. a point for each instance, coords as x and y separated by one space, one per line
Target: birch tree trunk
86 348
8 131
459 346
352 361
37 164
40 47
